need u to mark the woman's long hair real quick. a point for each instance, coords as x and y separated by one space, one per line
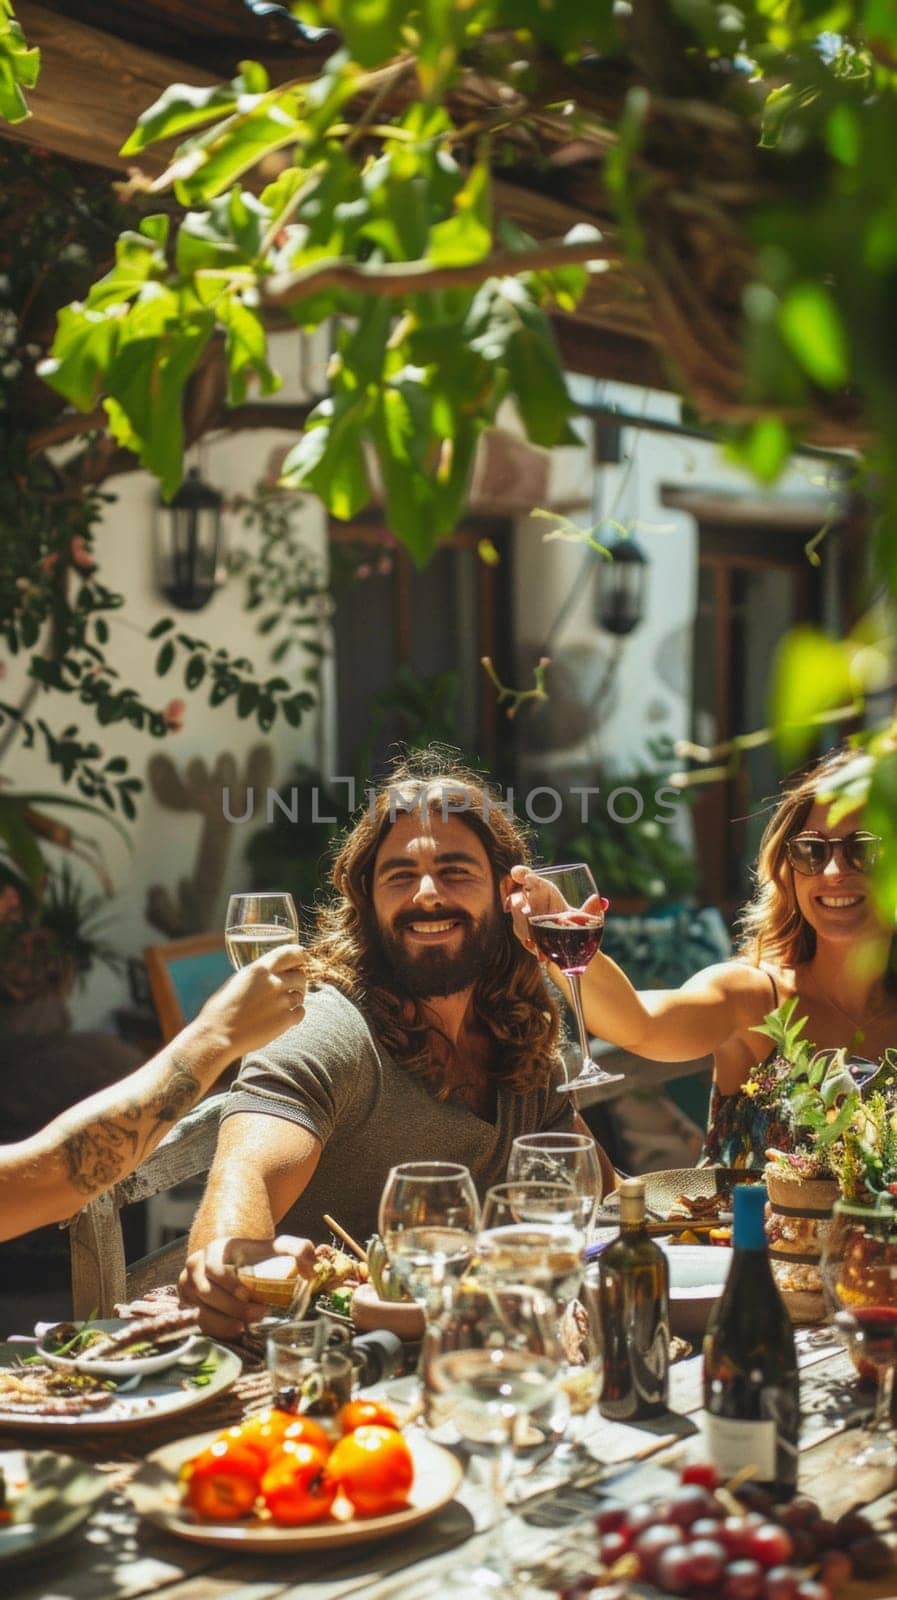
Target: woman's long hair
772 926
511 1002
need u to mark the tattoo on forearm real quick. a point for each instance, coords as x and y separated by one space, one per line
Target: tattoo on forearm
96 1156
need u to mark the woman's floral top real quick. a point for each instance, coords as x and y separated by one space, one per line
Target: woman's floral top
741 1127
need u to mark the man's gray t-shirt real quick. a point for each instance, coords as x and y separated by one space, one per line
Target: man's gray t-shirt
330 1075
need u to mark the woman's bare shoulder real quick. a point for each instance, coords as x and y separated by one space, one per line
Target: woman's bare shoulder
737 978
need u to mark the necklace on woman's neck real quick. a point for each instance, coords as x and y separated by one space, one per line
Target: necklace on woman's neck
859 1024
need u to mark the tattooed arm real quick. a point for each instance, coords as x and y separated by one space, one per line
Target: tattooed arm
91 1146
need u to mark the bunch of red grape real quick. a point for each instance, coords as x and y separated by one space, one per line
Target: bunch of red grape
693 1543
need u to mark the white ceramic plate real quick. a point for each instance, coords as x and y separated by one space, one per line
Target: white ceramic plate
49 1495
159 1394
124 1366
156 1492
697 1275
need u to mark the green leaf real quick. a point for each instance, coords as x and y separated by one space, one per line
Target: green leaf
184 106
19 67
811 674
812 327
764 449
246 349
21 844
164 625
165 658
329 458
467 236
879 817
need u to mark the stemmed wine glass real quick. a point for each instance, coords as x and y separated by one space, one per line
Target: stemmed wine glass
859 1274
429 1214
257 923
569 935
566 1158
496 1379
534 1233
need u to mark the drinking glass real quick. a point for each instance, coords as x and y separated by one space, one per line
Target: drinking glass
566 1158
311 1366
257 923
570 936
429 1213
496 1378
534 1234
859 1274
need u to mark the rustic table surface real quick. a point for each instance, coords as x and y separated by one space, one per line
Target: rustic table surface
115 1556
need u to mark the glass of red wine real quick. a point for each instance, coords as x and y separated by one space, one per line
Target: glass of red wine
859 1273
569 932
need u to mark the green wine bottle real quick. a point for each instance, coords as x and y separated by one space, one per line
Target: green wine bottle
634 1313
751 1386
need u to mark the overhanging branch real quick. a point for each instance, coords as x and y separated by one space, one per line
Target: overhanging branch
418 277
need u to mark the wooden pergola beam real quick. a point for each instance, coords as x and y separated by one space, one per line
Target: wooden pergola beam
92 89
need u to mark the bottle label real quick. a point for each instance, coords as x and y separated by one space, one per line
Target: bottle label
732 1445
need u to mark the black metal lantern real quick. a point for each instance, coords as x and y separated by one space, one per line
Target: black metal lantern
621 588
188 541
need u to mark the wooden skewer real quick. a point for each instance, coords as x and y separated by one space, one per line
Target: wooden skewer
356 1249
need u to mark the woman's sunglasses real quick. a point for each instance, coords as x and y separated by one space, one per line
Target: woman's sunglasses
810 853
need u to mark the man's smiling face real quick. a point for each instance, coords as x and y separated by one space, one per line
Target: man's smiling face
435 904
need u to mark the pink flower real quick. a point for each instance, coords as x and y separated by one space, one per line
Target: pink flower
50 563
173 714
80 554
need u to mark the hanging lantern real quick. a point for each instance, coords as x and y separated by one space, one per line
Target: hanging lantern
621 588
188 541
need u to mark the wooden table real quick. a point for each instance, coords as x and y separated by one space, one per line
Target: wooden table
116 1558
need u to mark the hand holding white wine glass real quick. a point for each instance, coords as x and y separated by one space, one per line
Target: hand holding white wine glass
568 932
257 923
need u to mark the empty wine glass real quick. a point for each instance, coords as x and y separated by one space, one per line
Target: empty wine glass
569 935
565 1158
429 1213
859 1274
532 1234
496 1379
257 923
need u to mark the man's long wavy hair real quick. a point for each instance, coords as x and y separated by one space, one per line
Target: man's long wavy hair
772 926
511 1002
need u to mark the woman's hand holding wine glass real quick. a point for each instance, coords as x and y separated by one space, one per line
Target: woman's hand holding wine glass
566 925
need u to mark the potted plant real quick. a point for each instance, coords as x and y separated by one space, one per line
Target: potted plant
841 1142
48 944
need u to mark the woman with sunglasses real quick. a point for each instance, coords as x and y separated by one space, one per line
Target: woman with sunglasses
811 914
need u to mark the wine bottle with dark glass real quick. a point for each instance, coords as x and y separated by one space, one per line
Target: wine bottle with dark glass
634 1313
751 1387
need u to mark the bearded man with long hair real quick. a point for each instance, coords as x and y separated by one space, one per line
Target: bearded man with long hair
429 1034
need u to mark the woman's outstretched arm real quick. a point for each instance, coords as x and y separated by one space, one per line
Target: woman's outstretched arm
660 1024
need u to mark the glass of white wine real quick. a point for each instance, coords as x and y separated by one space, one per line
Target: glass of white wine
257 923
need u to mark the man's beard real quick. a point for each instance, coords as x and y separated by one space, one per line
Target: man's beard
435 974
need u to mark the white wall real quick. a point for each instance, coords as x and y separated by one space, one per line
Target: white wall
653 684
165 842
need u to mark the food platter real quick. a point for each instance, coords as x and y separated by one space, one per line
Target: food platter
156 1493
49 1495
140 1400
665 1190
114 1366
